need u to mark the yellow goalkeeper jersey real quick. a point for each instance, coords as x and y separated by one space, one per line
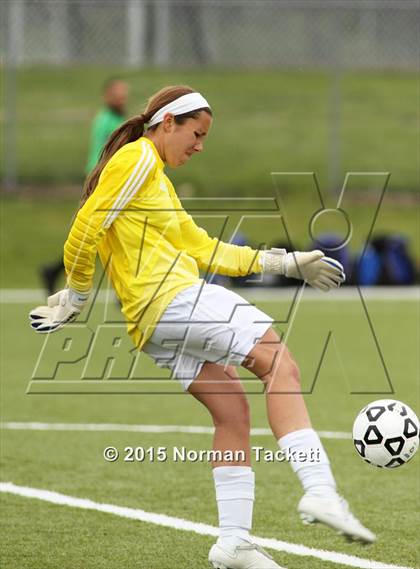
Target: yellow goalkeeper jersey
149 245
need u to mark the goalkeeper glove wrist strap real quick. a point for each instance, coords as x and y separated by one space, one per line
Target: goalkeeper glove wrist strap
274 261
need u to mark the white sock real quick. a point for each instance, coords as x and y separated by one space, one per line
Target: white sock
314 471
235 492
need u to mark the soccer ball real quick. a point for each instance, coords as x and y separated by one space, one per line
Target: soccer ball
386 433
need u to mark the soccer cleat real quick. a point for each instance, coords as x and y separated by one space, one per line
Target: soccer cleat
334 512
250 556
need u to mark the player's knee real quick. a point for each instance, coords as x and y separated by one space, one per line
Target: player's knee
281 366
236 416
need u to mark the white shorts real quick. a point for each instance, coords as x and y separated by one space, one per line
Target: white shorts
215 325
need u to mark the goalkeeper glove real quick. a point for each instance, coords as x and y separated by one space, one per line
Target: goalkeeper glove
63 307
321 272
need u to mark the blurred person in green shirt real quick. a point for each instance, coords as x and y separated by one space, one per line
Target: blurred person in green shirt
107 119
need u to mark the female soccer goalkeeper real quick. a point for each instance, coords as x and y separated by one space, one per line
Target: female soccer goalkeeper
153 250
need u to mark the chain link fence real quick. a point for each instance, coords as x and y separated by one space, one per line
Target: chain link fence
60 51
374 34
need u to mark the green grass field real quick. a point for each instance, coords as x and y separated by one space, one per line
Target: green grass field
265 121
39 535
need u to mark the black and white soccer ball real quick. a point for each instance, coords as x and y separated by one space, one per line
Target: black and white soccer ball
386 433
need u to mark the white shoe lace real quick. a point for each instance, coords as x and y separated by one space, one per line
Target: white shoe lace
252 546
347 512
344 504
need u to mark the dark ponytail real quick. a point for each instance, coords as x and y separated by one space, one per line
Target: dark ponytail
129 131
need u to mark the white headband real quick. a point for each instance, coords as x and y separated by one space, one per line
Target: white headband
184 104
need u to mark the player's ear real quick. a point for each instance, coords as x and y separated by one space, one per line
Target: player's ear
168 122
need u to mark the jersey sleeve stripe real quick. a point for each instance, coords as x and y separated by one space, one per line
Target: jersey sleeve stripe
137 183
141 178
130 179
126 190
143 166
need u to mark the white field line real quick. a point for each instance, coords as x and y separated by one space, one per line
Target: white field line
252 294
186 525
113 427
